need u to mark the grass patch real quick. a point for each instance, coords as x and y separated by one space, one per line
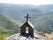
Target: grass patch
3 36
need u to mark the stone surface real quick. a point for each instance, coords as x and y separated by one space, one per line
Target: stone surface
18 37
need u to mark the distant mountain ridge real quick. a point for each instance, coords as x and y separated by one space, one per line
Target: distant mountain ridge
18 11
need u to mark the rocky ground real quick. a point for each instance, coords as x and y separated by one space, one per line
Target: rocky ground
18 37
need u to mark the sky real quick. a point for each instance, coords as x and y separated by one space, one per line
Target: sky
33 2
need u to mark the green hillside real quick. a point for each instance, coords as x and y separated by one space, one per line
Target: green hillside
7 24
44 23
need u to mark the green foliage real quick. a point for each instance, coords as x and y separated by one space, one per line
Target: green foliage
3 36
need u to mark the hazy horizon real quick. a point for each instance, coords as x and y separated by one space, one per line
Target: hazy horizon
30 2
